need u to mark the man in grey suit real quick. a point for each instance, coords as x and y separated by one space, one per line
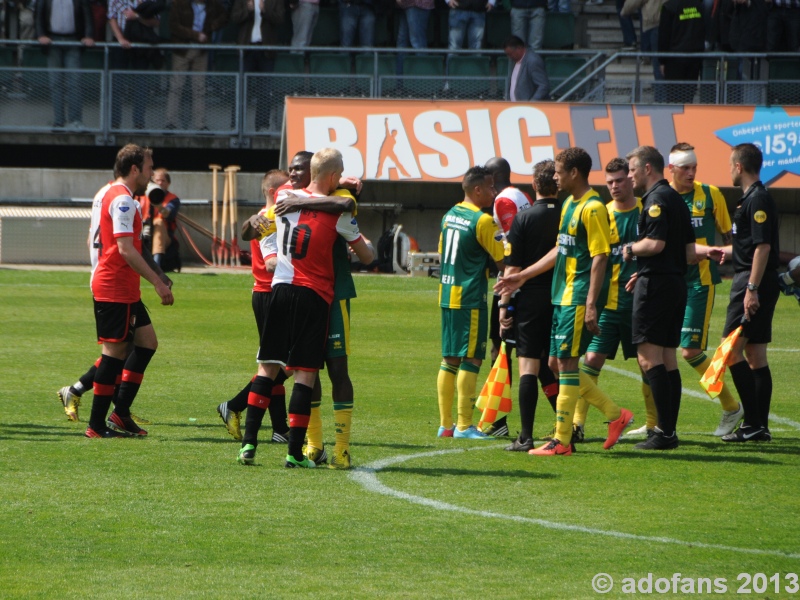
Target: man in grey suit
528 77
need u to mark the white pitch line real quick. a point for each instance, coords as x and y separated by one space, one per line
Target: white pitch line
698 394
367 477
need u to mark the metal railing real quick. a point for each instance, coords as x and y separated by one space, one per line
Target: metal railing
104 100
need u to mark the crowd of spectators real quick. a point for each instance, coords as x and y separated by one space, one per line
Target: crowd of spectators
662 26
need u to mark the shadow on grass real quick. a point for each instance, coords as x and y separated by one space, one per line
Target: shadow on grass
13 431
219 426
438 472
677 454
398 446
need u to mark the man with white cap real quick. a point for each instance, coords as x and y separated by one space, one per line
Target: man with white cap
709 215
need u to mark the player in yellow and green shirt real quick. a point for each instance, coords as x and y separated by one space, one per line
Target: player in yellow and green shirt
709 215
467 236
615 320
579 291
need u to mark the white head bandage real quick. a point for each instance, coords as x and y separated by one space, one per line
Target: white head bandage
682 158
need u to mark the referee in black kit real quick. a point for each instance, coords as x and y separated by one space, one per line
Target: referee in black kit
754 292
531 241
664 248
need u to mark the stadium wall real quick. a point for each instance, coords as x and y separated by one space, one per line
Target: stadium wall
60 238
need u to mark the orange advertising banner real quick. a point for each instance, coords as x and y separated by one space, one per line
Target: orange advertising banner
422 140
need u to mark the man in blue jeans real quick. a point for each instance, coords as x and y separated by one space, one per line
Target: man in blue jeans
413 29
467 20
357 19
527 21
72 21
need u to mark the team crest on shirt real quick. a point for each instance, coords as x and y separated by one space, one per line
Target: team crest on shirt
654 211
573 223
760 216
700 204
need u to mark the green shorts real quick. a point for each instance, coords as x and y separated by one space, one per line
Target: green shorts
464 332
699 304
570 337
615 328
338 343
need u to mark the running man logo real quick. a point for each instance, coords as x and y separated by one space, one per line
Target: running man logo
760 216
432 145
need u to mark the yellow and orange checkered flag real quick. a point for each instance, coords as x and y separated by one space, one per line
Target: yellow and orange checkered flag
495 397
712 378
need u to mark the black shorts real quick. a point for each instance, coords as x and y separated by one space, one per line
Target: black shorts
295 329
260 308
534 319
758 330
494 324
117 321
659 302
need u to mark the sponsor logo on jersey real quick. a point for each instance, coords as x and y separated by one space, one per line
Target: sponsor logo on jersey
124 209
760 216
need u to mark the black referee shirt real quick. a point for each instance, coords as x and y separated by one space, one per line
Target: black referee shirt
755 222
665 217
533 234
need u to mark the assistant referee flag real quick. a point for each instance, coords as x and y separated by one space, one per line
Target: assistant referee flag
495 397
712 378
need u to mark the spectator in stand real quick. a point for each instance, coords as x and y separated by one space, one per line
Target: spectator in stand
564 6
628 29
27 22
260 22
527 21
748 33
357 19
783 26
120 12
191 22
467 19
651 13
528 77
99 10
70 21
681 29
304 19
413 29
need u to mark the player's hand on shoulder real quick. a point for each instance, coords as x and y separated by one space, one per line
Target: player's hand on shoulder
289 203
351 183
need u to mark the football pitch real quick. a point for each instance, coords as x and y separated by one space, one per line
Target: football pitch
174 515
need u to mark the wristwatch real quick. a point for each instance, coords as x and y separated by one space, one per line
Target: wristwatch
629 249
752 287
502 306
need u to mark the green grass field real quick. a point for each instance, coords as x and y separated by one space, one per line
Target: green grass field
174 516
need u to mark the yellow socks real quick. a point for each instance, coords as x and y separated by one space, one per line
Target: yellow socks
568 392
649 404
467 380
314 433
446 387
342 420
595 396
